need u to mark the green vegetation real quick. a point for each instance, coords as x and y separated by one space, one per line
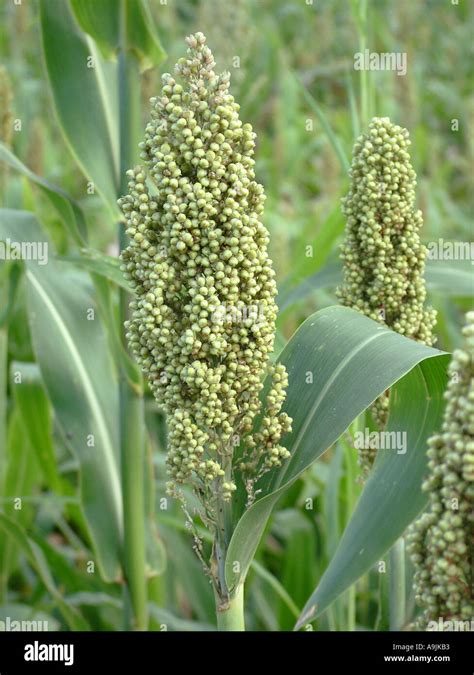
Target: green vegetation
259 423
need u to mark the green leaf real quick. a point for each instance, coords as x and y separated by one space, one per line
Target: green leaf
34 409
328 276
298 560
19 480
155 550
452 278
20 226
392 497
101 20
98 263
68 210
83 388
141 33
338 362
84 92
10 280
184 568
72 352
37 560
446 277
323 242
323 120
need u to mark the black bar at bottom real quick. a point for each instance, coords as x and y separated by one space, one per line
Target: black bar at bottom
138 653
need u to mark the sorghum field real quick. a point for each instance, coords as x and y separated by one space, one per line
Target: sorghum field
236 315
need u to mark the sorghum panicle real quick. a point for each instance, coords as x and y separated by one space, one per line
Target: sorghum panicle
204 314
441 541
382 254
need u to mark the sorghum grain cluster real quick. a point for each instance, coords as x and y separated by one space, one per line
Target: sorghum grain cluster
197 260
382 254
442 540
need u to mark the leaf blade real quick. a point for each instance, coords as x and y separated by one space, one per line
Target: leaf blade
84 103
332 335
392 497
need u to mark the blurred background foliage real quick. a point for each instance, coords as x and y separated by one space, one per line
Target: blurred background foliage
292 71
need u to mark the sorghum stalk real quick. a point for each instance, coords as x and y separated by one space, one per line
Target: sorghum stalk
230 616
397 589
132 438
204 312
441 541
384 262
382 254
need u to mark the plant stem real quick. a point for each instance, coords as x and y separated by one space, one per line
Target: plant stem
231 616
132 443
397 585
360 14
229 607
132 440
350 481
351 470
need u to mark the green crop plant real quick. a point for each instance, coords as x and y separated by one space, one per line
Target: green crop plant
442 539
181 382
203 322
383 257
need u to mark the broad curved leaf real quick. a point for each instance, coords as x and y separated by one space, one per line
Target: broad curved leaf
84 91
338 362
73 357
72 352
392 496
101 20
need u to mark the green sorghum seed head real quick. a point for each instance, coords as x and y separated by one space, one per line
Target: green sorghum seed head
204 314
383 257
382 254
441 541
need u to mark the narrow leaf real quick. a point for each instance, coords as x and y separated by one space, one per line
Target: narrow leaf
37 560
68 210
